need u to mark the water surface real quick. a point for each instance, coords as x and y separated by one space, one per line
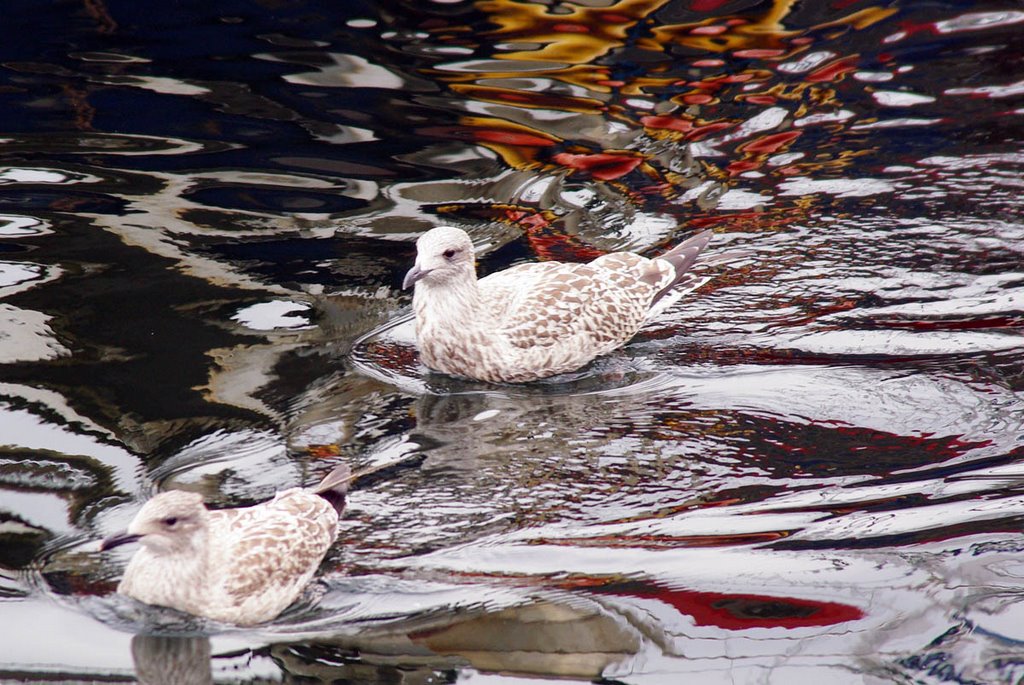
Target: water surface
809 470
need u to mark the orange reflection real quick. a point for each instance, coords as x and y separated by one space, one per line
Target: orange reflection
763 36
575 35
646 92
521 98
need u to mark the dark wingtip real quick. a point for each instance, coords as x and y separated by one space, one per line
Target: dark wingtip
335 499
335 485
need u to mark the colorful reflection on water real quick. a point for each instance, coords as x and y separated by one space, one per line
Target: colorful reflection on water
809 468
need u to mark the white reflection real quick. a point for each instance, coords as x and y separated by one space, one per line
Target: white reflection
785 158
17 226
840 187
267 316
346 71
807 62
824 118
990 91
21 429
10 175
737 199
873 76
896 98
17 273
494 66
763 121
156 84
893 123
19 276
26 336
974 21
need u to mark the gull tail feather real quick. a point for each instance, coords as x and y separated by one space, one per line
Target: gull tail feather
335 485
682 257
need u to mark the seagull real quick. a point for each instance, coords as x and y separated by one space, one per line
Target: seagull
244 565
533 320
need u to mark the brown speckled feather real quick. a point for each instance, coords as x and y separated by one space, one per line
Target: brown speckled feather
243 565
275 548
532 320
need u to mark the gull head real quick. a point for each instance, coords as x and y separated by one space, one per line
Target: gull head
172 522
443 255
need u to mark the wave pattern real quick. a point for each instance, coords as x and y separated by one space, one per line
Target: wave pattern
810 467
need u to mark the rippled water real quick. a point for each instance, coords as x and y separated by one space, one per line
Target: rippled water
811 468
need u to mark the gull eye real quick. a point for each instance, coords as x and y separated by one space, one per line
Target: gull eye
449 253
170 521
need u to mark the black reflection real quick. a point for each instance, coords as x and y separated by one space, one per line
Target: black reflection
334 262
275 200
789 449
118 307
64 200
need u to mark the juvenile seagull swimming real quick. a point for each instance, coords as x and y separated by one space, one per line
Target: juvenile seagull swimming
532 320
243 565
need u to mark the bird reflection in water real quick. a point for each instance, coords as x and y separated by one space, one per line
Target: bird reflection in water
160 660
539 638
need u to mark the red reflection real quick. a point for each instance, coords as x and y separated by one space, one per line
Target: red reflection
511 138
692 130
604 166
550 244
706 5
833 71
667 541
502 136
756 53
957 325
740 611
770 143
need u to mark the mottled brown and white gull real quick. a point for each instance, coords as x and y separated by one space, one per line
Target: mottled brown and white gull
244 565
532 320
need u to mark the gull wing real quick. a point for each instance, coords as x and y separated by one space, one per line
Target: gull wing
549 303
271 551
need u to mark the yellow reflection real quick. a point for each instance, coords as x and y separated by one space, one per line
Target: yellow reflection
576 35
559 52
579 34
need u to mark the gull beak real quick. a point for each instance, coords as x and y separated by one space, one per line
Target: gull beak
117 540
414 274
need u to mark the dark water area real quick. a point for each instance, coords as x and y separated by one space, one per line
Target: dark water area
810 469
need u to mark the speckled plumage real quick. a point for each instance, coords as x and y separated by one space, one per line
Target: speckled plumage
533 320
243 565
